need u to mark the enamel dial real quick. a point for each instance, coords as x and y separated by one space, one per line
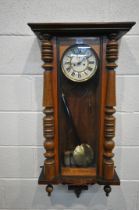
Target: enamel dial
79 63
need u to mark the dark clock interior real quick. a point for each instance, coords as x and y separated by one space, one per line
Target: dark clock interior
78 108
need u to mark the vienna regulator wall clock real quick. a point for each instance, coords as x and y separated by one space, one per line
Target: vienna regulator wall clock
79 102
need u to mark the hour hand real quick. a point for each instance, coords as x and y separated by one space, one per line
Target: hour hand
79 62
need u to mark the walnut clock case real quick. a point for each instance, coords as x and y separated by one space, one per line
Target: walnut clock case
79 102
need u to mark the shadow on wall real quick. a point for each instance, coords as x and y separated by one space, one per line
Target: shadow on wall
61 198
93 199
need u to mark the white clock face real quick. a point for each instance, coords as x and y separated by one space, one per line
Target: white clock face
79 63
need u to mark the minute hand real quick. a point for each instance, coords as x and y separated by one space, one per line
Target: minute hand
78 63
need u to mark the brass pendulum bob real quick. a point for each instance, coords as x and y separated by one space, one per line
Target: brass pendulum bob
83 154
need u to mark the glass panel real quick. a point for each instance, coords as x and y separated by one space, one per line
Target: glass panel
78 81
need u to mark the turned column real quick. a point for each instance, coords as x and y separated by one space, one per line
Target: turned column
48 104
110 103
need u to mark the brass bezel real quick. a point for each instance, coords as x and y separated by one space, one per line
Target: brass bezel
90 76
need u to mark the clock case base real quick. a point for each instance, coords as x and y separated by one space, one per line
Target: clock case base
116 30
77 184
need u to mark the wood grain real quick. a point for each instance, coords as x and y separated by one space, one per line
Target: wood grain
109 123
87 29
101 108
48 120
78 171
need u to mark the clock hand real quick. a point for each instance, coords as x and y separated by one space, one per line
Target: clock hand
88 56
79 62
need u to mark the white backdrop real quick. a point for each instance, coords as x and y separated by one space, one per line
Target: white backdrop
21 137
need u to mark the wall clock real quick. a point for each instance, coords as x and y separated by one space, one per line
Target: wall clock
79 103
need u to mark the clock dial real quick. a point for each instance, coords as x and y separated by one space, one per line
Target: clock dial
79 63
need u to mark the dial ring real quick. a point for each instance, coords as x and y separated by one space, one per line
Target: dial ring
76 67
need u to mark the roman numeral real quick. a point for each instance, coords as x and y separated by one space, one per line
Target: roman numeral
67 62
69 56
85 72
88 56
73 74
89 68
79 75
91 62
68 69
74 51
